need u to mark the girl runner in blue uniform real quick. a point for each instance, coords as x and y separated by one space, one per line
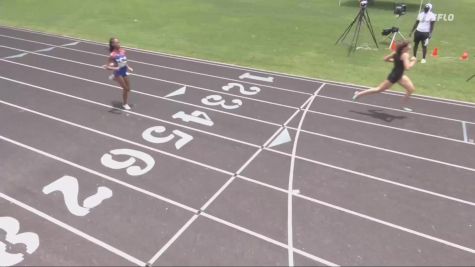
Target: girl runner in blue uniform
402 62
118 63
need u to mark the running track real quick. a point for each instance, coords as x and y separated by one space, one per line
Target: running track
213 166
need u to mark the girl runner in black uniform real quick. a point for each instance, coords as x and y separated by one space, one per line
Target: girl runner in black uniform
402 62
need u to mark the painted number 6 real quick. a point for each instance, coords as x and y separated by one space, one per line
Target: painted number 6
132 169
254 90
217 100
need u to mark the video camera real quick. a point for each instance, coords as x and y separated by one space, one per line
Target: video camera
400 9
363 3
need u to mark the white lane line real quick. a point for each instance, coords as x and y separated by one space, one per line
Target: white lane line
153 195
151 78
158 196
132 112
172 240
290 190
16 56
395 109
269 240
233 177
229 113
96 173
73 230
372 177
229 173
464 129
143 93
26 52
240 68
385 126
224 112
118 138
241 116
249 144
391 225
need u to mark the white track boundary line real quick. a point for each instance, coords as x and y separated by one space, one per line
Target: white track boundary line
220 111
277 243
170 68
229 173
234 176
247 143
73 230
290 190
228 182
237 67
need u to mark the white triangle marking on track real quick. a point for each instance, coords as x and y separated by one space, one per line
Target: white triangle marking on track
180 91
284 137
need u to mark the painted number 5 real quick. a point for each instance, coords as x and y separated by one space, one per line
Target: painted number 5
128 164
30 240
148 135
217 100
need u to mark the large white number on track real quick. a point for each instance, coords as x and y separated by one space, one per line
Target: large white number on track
30 240
253 90
249 76
217 100
196 116
69 187
184 137
128 164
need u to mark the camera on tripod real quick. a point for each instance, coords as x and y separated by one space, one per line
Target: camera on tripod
400 9
363 3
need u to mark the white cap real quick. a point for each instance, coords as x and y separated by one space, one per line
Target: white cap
429 5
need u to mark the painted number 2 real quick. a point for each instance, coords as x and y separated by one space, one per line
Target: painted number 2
132 170
253 90
30 241
149 136
69 187
217 100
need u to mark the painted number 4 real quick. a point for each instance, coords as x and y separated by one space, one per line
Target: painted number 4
11 227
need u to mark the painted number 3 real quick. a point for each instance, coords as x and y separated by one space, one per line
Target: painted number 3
11 227
217 100
128 164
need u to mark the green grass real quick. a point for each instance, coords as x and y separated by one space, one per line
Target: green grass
291 36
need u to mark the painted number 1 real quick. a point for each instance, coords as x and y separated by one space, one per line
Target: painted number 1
249 76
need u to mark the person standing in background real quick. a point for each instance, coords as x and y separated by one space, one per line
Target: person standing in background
424 27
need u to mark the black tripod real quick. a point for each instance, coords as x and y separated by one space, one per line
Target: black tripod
473 76
362 16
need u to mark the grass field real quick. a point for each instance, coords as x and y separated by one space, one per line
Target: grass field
292 36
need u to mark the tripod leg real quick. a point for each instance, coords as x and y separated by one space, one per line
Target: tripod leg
392 40
354 40
345 33
370 27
